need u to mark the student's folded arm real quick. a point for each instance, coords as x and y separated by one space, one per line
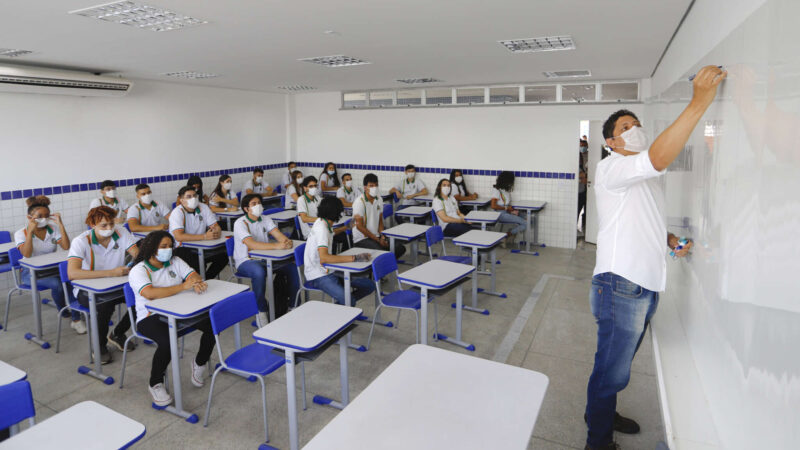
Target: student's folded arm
444 217
306 218
181 236
151 292
75 272
495 206
362 227
327 258
278 235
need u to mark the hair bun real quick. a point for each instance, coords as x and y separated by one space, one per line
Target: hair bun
40 200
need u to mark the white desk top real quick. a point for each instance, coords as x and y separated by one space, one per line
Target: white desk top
10 374
478 404
100 285
211 243
479 238
236 213
4 248
436 274
478 201
276 254
355 267
483 216
528 204
407 230
307 327
44 261
425 198
269 197
85 426
414 211
190 303
341 221
283 216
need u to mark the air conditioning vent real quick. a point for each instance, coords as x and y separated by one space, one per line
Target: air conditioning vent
568 74
539 44
419 80
335 61
297 88
45 81
13 53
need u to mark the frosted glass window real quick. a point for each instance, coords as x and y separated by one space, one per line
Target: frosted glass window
381 98
504 95
615 92
409 97
536 94
578 93
353 99
440 96
469 95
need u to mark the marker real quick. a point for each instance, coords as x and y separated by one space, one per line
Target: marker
691 78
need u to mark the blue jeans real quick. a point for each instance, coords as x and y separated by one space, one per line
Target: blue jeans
54 284
256 270
333 285
622 310
507 217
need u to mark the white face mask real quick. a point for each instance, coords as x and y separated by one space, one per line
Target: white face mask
164 254
256 210
146 199
111 194
41 222
259 179
312 191
227 186
331 172
292 169
373 191
192 203
635 140
105 233
348 184
459 179
299 180
445 190
410 175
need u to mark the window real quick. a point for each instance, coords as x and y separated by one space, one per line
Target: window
504 94
439 96
385 98
617 92
409 97
354 99
469 95
540 94
578 93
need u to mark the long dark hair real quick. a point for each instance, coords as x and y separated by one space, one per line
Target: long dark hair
218 189
335 176
439 188
454 183
294 182
194 179
150 245
505 181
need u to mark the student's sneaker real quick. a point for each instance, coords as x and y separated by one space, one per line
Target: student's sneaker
160 395
119 342
198 374
621 424
78 326
610 446
263 319
105 356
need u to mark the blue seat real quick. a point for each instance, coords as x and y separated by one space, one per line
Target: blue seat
272 211
239 197
297 228
433 236
299 261
16 405
278 189
5 237
252 360
388 213
14 256
382 266
229 243
71 304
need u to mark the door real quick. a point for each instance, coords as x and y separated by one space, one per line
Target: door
596 144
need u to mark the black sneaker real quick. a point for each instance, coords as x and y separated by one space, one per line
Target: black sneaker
622 424
610 446
105 356
119 342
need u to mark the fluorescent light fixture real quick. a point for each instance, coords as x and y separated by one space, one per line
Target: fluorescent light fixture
335 61
568 74
539 44
13 53
139 15
190 74
297 88
419 80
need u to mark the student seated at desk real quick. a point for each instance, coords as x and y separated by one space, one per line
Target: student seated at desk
197 183
288 176
501 201
43 234
252 232
108 197
307 206
347 193
194 221
446 209
159 274
459 190
368 217
222 199
329 179
257 184
100 253
320 240
409 188
146 215
294 191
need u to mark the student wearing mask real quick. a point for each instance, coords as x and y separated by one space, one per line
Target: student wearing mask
501 201
108 197
288 176
307 206
459 190
368 218
159 274
446 208
409 187
222 199
43 234
194 221
146 215
347 193
257 184
317 253
100 253
329 178
197 183
295 190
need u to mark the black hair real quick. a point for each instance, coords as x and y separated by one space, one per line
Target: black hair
141 186
218 189
186 189
438 192
290 163
248 198
36 202
194 179
258 170
347 175
294 181
611 122
370 178
505 181
150 243
308 180
410 167
107 183
453 181
335 176
330 208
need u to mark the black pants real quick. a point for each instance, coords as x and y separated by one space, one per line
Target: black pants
456 229
104 312
464 209
341 238
158 331
399 249
582 204
192 258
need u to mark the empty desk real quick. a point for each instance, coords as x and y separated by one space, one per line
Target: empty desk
41 266
271 257
483 218
477 241
532 207
410 232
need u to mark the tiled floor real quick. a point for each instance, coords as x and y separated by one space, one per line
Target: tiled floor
558 340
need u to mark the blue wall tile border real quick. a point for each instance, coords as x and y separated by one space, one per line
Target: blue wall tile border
67 188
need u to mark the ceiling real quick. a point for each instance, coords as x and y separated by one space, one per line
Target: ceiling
255 44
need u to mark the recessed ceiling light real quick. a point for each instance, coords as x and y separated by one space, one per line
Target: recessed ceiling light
419 80
13 53
297 88
335 61
568 74
139 15
190 74
540 44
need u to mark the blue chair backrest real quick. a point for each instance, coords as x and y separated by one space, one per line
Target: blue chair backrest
174 204
63 274
434 235
388 210
272 211
279 189
297 225
16 403
383 265
299 255
229 247
283 202
434 219
127 227
5 236
232 310
130 299
14 255
239 196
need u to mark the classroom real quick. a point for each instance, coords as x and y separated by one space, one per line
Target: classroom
382 225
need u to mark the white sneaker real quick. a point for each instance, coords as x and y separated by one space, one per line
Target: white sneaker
263 319
78 326
198 374
160 395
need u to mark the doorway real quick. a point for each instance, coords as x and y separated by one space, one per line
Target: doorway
591 137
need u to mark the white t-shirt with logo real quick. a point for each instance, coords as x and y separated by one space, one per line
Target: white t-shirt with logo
256 188
450 207
244 228
195 222
148 217
371 212
119 205
409 188
174 272
94 256
307 204
348 196
320 236
49 244
503 197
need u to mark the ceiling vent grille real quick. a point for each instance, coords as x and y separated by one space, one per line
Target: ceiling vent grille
297 88
539 44
419 80
335 61
13 53
139 15
189 74
568 74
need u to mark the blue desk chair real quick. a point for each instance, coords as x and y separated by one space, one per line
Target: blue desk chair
272 211
229 250
239 197
16 405
305 286
433 236
278 189
283 201
71 304
130 303
400 299
252 360
297 228
174 204
14 256
5 237
388 213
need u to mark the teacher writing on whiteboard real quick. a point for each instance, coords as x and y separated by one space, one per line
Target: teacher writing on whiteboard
631 248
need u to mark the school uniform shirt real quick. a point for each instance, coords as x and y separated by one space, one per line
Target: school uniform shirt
349 195
503 197
49 244
286 178
174 272
321 235
462 190
450 207
307 204
408 188
256 188
214 199
244 228
371 212
328 179
194 222
119 205
290 203
94 256
148 217
632 235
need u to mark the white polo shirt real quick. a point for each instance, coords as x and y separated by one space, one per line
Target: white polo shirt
371 212
503 197
148 217
409 188
256 188
307 204
290 203
349 195
244 228
328 179
119 205
450 207
174 272
44 246
320 236
462 190
632 236
287 177
213 200
195 222
94 256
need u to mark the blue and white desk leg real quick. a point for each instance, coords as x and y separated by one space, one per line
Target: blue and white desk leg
423 323
98 371
492 274
176 376
270 292
348 300
535 227
202 258
321 400
37 315
459 307
475 290
291 395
